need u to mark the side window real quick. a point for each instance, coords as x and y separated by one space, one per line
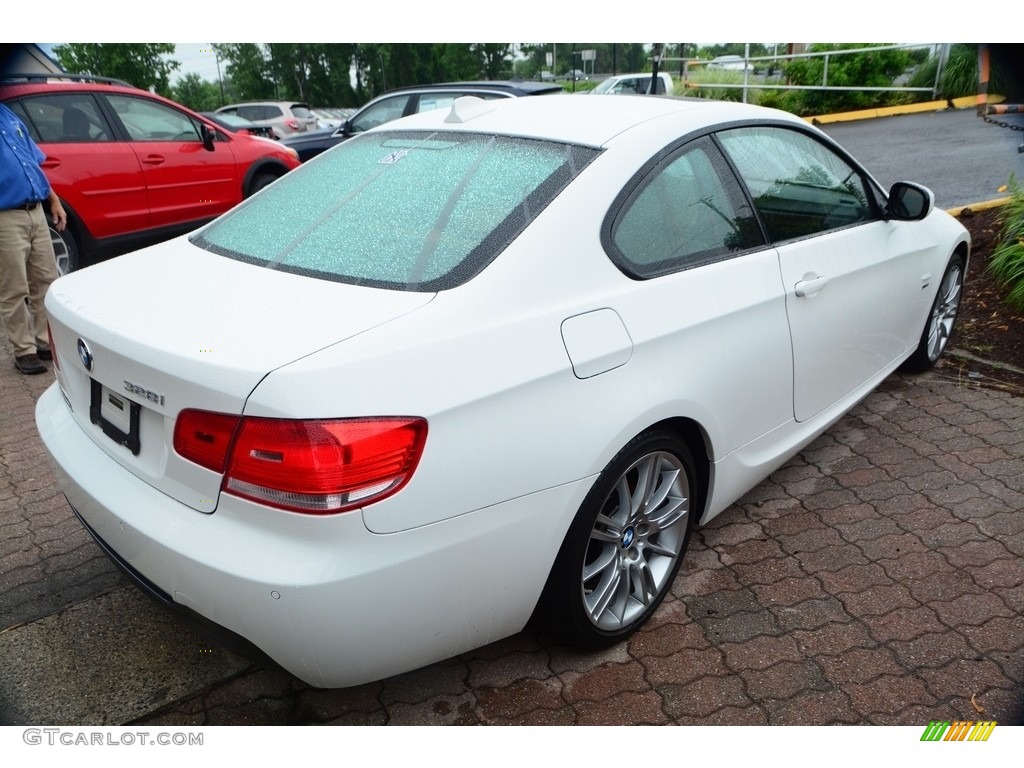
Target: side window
146 120
800 187
382 112
431 101
250 112
63 118
688 211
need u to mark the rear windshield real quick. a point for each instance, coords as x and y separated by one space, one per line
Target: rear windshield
407 210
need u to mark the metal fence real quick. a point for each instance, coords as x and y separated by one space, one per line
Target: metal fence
752 63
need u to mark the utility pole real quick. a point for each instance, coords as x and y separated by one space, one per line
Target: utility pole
220 78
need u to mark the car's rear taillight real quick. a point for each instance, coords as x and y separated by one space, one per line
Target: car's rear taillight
293 124
205 437
53 347
316 466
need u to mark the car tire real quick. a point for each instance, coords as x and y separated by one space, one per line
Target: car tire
65 249
261 181
624 548
941 318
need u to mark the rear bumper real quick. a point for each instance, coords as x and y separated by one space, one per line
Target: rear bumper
222 636
332 603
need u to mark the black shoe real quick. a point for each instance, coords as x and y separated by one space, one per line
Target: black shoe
29 365
44 354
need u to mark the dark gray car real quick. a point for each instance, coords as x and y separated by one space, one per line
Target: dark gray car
409 101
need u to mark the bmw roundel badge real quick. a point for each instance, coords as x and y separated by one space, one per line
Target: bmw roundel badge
85 354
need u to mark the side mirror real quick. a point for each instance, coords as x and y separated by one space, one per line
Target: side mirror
208 135
909 202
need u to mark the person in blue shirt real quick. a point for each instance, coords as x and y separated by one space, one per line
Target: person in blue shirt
27 265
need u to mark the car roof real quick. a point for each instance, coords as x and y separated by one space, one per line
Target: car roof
17 86
264 101
519 87
594 121
67 83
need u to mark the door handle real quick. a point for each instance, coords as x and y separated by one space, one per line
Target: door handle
810 285
153 159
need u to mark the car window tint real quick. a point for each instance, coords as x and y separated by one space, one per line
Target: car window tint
688 211
384 111
301 111
146 120
799 186
63 118
407 210
431 101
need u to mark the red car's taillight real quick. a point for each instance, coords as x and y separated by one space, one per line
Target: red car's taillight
317 466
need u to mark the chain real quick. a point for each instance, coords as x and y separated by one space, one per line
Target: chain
1002 124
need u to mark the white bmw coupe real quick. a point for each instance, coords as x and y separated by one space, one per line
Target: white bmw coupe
482 365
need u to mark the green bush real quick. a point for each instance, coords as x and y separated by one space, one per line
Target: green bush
877 68
714 77
959 75
1007 261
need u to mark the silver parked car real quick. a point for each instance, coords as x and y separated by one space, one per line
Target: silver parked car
285 117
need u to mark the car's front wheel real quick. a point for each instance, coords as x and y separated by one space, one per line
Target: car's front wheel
941 318
624 547
261 181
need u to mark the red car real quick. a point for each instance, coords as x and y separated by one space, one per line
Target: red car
131 167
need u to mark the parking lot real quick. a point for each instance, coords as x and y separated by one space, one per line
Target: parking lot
877 578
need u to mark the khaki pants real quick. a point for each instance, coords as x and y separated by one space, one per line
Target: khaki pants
27 268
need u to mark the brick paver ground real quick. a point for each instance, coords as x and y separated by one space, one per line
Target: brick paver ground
877 578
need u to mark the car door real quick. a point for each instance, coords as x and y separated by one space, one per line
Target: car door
708 298
98 177
849 275
185 181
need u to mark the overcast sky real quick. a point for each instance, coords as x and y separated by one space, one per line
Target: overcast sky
526 20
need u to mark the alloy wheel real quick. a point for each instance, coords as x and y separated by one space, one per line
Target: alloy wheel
947 303
637 539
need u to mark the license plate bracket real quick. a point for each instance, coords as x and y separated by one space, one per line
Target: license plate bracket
127 413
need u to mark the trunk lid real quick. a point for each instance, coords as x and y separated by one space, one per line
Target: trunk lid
174 327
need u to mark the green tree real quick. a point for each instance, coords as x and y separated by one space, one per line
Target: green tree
248 68
610 57
329 77
493 59
383 66
141 64
196 93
